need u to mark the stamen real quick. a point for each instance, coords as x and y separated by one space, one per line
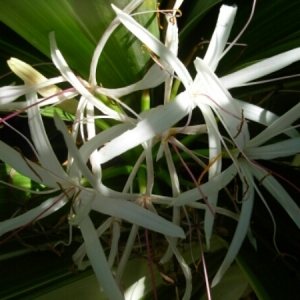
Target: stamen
247 188
208 167
158 16
268 174
240 126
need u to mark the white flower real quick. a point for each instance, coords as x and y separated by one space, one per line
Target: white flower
100 198
208 93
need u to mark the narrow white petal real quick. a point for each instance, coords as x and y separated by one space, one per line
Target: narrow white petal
82 209
40 139
98 260
135 214
219 210
155 45
208 188
280 149
175 192
114 244
215 169
31 76
108 32
154 77
101 138
263 116
171 42
276 127
48 207
220 36
260 69
127 251
207 83
62 66
27 168
241 230
156 122
185 269
80 253
75 153
11 93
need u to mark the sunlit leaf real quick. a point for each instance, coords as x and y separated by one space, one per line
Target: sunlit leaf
78 26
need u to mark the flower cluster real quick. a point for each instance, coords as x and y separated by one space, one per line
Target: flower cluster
154 130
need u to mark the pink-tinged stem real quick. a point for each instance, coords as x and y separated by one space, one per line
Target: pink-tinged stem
150 265
150 260
204 268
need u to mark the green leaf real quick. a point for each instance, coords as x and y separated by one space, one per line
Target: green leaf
78 27
270 32
231 287
194 13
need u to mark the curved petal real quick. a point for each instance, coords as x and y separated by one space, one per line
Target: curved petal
220 36
208 85
280 149
208 188
114 24
260 69
26 167
41 142
155 45
46 208
260 115
63 67
154 77
135 214
276 127
156 121
98 260
242 227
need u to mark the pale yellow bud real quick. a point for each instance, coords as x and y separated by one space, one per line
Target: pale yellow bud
31 76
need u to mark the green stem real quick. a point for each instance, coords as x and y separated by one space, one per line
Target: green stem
145 100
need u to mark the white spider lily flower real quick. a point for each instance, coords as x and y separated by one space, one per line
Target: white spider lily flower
119 208
208 84
205 86
206 89
51 174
